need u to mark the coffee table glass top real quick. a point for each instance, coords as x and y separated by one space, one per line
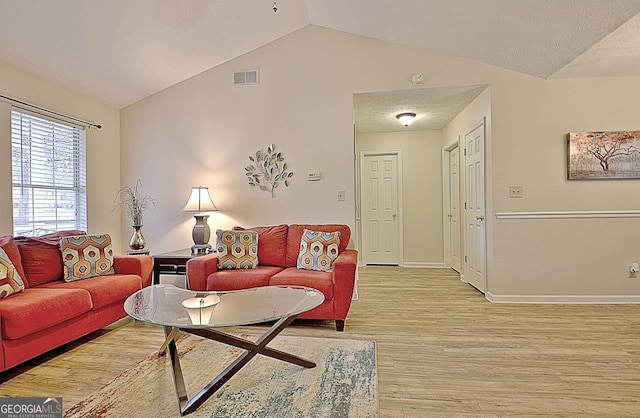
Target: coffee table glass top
162 304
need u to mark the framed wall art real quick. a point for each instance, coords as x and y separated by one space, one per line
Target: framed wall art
604 155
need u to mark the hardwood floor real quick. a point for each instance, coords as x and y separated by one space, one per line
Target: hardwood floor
443 350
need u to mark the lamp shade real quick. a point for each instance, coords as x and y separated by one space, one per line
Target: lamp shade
406 118
199 201
200 309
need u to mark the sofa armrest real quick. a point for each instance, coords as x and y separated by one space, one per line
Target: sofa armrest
344 278
198 269
141 265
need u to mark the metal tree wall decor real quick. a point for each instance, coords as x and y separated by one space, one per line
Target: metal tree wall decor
267 170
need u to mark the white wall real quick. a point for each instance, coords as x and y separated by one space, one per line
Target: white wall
103 146
479 110
561 259
421 191
202 130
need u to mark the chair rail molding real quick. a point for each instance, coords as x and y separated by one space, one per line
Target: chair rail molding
571 214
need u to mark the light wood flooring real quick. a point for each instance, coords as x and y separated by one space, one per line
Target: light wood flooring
443 350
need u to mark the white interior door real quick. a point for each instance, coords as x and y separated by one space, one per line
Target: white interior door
381 223
475 248
452 209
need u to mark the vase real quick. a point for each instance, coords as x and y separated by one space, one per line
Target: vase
137 241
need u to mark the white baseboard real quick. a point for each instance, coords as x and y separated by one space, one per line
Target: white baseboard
565 299
419 265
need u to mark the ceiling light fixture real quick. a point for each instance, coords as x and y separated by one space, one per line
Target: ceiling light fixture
406 118
275 7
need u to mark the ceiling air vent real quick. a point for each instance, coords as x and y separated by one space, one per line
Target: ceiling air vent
244 78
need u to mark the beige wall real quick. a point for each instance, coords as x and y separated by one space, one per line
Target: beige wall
202 130
421 191
103 146
478 111
561 259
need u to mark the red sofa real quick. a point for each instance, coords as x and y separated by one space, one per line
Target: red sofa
278 248
50 312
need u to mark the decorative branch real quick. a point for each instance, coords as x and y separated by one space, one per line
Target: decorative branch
133 203
267 170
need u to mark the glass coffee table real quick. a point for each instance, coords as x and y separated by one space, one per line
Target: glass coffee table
201 313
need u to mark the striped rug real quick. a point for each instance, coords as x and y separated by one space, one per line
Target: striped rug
343 384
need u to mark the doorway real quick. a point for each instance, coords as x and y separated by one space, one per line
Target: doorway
380 204
424 217
474 212
451 199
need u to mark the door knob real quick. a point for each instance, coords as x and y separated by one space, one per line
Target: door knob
395 216
480 218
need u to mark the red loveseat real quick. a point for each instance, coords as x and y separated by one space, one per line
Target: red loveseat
278 249
50 312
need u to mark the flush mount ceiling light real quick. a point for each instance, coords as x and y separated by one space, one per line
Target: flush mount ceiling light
406 119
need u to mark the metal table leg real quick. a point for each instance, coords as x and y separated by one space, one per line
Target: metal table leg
188 406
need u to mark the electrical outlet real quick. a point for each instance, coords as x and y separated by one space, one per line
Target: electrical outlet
515 192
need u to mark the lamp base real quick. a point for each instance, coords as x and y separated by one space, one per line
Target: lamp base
200 234
199 249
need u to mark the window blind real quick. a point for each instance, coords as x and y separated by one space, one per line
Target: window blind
48 175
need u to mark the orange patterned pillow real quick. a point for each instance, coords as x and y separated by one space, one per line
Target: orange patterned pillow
318 250
237 249
86 256
10 280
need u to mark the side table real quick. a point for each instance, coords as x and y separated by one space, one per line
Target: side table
174 262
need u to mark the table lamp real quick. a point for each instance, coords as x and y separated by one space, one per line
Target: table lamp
199 202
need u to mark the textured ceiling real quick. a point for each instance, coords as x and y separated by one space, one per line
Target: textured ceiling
121 51
537 37
434 108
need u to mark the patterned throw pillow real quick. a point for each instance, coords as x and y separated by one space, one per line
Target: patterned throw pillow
237 249
10 280
86 256
318 250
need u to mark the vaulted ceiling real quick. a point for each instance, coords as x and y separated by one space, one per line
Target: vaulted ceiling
121 51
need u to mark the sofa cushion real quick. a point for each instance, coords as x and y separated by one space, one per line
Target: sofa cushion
8 244
36 309
292 276
241 279
10 280
295 235
318 250
237 249
272 247
86 256
104 290
41 258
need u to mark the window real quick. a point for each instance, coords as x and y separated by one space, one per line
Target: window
48 175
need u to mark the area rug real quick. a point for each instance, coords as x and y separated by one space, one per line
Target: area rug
343 384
